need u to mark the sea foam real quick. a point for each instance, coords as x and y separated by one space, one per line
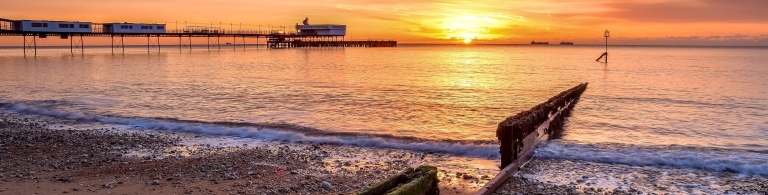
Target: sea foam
482 150
739 161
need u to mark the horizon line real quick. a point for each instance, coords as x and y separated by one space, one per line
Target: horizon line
456 44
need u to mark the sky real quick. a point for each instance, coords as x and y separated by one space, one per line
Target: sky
631 22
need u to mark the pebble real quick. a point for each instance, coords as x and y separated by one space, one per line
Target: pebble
326 185
109 185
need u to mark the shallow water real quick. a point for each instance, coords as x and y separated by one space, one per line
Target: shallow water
694 101
698 96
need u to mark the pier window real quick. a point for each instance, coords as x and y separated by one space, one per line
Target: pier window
66 25
37 24
160 27
146 27
84 26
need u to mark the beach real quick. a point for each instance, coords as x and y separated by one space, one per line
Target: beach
40 160
548 176
334 121
43 160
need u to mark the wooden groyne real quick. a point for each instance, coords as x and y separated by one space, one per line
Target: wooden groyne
519 135
419 181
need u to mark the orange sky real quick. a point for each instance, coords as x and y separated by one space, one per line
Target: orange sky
687 22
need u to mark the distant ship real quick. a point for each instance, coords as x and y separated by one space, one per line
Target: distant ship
566 43
539 43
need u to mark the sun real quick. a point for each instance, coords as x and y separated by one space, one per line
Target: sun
467 41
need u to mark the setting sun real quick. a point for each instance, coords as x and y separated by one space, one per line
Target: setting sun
467 41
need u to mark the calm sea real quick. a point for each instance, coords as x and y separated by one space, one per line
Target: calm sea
648 100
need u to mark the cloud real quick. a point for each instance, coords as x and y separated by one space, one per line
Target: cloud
504 21
742 11
729 40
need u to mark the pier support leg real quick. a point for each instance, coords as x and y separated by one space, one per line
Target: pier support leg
151 43
82 45
76 44
183 43
117 44
30 45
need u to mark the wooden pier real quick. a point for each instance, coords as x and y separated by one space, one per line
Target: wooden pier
215 38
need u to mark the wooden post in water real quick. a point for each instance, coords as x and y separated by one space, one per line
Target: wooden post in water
606 35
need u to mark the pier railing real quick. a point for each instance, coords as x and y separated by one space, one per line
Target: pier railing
519 135
228 32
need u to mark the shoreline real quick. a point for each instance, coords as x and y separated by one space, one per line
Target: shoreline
38 159
129 160
557 176
70 159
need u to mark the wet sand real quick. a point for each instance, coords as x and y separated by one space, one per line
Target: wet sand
46 156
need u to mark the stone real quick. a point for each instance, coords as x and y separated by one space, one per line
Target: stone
326 185
109 185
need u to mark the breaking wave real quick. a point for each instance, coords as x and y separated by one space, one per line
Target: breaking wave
476 150
739 161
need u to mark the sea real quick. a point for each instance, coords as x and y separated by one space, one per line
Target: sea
698 114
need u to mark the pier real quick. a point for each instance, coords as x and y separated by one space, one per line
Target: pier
306 35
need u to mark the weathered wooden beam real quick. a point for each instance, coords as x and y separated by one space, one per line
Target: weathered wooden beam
520 135
399 184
